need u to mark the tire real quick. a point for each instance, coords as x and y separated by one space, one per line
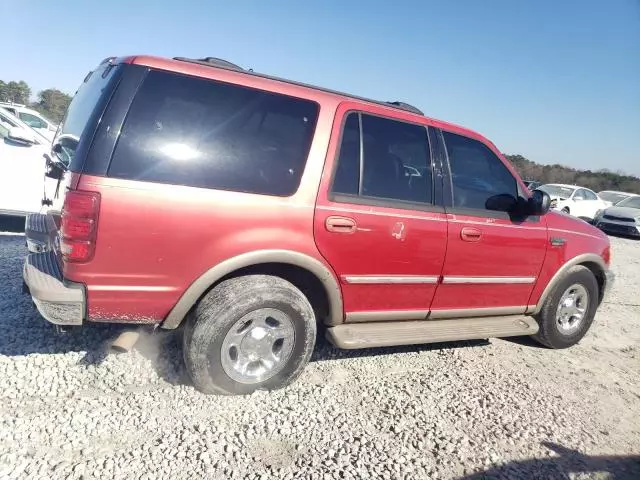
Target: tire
221 334
552 334
566 210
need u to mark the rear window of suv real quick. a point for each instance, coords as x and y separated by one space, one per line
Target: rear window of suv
203 133
85 109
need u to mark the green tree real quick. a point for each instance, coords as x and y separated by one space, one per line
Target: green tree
52 103
17 92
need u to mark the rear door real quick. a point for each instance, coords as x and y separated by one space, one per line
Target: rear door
378 220
493 258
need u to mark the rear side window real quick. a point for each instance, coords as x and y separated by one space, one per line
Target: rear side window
202 133
477 174
393 157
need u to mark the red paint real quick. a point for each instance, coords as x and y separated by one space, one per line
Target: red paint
153 240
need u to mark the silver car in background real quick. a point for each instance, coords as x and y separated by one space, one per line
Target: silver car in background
623 218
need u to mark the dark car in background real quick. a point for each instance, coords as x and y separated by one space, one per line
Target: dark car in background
532 184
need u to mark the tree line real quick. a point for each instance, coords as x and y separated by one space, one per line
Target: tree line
52 103
597 181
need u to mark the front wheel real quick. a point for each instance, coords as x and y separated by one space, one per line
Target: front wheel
568 311
566 210
249 333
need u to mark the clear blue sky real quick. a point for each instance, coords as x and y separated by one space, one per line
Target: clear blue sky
556 81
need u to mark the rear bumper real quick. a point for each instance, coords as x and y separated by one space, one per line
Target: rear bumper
40 231
59 302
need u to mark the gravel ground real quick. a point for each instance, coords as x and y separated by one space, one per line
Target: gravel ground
498 409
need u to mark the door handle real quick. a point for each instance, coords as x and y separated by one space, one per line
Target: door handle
469 234
340 224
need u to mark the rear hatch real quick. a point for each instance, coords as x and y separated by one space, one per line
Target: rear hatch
73 139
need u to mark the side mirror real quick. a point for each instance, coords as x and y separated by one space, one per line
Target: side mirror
539 203
21 135
501 203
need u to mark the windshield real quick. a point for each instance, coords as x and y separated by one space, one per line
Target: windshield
612 197
630 202
557 191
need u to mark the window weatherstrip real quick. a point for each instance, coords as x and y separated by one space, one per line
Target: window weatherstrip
390 279
361 135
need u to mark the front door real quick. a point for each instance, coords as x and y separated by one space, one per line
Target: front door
375 220
493 260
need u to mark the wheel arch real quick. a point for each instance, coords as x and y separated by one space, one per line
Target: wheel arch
300 269
593 262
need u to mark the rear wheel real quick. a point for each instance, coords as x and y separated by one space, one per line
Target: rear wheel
249 333
568 312
566 210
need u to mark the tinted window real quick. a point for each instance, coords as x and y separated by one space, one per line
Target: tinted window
579 195
478 175
395 155
202 133
589 195
82 107
347 176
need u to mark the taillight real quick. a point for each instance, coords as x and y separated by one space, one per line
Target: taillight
606 255
79 225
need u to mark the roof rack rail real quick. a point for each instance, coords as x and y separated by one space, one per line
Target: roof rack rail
211 62
225 64
406 106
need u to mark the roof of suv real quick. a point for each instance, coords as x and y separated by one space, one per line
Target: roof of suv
198 67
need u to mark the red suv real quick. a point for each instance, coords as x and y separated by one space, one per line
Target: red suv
255 211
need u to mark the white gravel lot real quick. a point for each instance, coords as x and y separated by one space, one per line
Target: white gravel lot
498 409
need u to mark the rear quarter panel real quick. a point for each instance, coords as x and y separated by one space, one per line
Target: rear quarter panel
154 240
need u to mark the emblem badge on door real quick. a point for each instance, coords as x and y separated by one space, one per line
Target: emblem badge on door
399 231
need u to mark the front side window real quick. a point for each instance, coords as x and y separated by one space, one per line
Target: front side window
480 179
202 133
32 120
393 157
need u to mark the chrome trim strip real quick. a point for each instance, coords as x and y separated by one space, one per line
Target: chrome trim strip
573 232
392 279
460 280
440 218
477 312
384 315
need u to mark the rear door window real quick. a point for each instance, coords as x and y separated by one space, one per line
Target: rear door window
392 155
203 133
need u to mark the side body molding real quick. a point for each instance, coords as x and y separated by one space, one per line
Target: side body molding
215 273
578 260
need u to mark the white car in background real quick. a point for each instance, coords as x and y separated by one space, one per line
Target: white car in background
612 197
24 185
32 118
574 200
